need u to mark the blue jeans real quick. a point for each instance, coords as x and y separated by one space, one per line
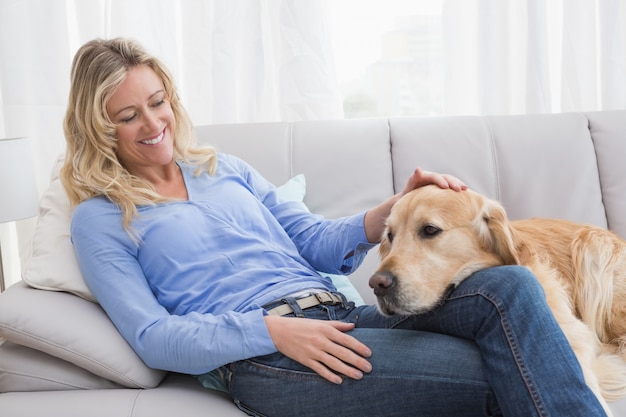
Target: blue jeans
493 348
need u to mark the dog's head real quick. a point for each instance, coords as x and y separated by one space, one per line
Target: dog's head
435 238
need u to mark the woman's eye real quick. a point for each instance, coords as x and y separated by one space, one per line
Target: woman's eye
429 231
158 103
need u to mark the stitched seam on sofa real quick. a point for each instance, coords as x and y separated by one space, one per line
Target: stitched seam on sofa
62 348
494 156
134 403
391 158
598 170
46 378
290 147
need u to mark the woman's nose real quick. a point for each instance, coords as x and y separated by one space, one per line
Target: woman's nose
151 120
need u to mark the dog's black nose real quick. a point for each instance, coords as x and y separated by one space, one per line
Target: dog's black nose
381 282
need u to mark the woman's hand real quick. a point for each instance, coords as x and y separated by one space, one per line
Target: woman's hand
375 217
320 345
420 178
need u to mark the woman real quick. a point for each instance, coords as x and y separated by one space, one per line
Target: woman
202 267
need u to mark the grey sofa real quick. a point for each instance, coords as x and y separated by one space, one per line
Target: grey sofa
62 357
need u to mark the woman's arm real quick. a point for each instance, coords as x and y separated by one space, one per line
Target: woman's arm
191 343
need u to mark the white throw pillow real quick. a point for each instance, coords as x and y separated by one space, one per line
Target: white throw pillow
52 264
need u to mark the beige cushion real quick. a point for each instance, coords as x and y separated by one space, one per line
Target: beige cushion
25 369
607 132
178 395
75 330
52 264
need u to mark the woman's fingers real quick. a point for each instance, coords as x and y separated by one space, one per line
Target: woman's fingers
321 345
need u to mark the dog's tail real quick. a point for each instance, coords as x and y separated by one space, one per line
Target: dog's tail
598 294
610 370
596 256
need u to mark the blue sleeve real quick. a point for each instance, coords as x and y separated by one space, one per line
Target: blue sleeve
334 246
193 343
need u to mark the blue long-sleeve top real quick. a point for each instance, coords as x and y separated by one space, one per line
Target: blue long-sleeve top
187 294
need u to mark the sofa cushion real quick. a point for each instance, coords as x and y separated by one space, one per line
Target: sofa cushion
52 264
511 159
547 167
605 127
331 154
25 369
178 395
75 330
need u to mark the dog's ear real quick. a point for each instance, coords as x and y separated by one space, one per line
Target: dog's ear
495 233
385 245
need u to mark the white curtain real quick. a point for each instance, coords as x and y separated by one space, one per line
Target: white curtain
533 56
269 60
233 61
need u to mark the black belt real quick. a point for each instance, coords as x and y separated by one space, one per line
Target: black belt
325 298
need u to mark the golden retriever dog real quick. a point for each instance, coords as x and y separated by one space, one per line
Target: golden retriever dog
435 238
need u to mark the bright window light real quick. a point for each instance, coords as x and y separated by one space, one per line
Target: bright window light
388 56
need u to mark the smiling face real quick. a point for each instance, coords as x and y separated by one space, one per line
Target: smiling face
434 239
142 113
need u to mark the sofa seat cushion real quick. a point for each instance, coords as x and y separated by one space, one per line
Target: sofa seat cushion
178 395
26 369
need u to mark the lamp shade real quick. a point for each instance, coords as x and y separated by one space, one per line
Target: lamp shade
19 197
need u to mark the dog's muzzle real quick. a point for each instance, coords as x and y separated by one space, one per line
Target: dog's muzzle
382 282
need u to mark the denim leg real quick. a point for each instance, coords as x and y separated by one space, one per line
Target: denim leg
507 343
526 357
414 374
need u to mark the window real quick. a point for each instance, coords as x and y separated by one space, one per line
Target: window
388 56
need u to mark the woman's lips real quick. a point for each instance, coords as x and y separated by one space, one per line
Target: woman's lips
155 140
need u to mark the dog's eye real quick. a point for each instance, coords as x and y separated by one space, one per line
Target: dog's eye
389 236
428 231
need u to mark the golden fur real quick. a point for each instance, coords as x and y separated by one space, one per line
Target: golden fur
436 238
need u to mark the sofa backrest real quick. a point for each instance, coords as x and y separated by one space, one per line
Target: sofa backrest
608 132
536 166
347 163
556 165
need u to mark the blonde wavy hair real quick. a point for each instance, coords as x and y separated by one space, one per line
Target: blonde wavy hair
91 167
